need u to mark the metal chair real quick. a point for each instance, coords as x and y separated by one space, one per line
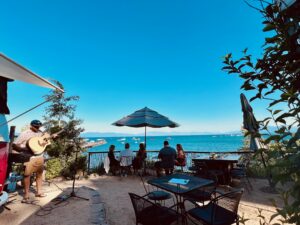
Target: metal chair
125 164
202 170
222 210
149 213
201 195
240 172
157 195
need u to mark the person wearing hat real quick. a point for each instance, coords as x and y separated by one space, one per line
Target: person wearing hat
35 163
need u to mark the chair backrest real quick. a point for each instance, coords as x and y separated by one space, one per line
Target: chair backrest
228 201
140 204
201 167
143 182
106 164
126 161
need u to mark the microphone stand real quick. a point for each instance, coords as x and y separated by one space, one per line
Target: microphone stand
73 194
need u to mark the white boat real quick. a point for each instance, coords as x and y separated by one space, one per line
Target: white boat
121 139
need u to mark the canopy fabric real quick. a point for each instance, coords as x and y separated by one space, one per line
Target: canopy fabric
256 143
249 121
251 125
146 118
12 70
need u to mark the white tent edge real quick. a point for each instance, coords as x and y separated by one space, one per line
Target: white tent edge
13 70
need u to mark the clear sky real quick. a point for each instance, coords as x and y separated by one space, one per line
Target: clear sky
120 56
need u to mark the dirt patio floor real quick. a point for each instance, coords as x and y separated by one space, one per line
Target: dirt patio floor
109 203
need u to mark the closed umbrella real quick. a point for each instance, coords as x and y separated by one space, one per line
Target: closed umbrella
146 118
252 126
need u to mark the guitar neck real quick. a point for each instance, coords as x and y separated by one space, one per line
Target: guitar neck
52 135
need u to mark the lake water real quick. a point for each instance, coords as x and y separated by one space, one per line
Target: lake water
209 143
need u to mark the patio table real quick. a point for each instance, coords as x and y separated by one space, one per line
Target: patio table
223 162
179 184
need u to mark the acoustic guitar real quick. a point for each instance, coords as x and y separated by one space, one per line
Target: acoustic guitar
38 144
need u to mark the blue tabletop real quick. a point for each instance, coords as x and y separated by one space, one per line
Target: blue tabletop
179 183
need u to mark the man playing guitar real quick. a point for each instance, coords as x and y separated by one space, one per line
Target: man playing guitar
35 163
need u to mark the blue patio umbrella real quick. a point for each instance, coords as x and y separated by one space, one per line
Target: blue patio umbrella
146 118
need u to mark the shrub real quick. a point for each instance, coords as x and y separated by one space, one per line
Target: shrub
53 168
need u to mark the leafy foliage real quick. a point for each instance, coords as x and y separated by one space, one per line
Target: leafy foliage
53 168
60 114
275 77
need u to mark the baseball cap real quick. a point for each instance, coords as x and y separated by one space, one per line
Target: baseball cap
36 123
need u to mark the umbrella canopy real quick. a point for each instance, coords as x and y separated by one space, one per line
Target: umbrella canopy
249 121
146 118
251 125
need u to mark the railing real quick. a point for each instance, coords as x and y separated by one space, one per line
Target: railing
96 159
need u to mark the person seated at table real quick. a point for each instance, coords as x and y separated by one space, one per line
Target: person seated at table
126 157
140 158
114 164
167 156
180 160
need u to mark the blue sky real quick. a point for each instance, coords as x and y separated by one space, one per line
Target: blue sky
120 56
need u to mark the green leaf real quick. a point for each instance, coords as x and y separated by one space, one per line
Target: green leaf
268 27
277 111
245 50
275 102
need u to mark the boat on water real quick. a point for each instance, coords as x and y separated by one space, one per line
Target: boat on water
122 139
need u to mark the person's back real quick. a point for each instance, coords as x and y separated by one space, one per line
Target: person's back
126 153
126 157
168 156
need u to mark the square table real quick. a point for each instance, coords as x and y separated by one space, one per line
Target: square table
223 162
179 189
179 184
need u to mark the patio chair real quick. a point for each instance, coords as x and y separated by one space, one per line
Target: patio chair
149 213
157 195
222 210
201 195
126 163
240 172
202 170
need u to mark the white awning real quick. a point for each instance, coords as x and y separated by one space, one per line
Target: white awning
12 70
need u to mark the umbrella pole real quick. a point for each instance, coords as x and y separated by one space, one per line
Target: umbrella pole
145 137
269 174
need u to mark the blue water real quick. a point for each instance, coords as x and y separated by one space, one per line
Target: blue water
209 143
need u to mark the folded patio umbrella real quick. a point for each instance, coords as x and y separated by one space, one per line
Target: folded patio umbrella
145 118
251 125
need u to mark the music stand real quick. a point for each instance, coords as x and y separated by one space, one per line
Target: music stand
72 194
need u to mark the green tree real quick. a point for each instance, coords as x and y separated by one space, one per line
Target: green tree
275 77
60 114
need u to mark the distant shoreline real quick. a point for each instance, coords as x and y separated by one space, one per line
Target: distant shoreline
159 135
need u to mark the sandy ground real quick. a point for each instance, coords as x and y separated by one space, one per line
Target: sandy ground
109 203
